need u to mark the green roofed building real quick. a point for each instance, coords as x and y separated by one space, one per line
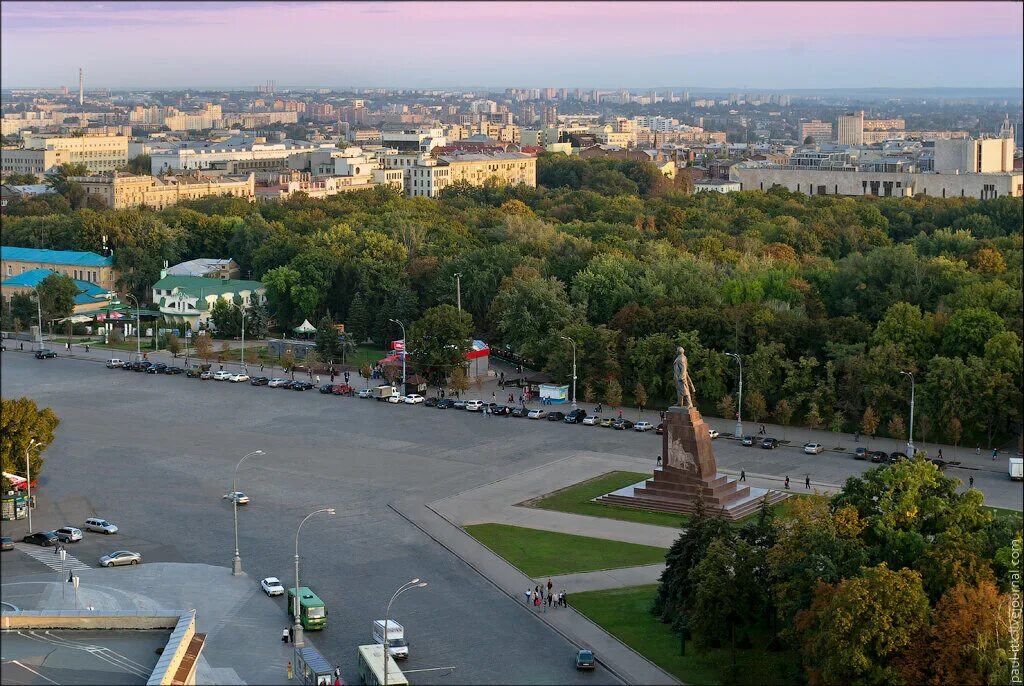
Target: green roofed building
189 299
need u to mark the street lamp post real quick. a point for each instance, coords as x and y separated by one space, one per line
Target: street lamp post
296 603
415 583
33 443
138 326
243 339
39 313
184 323
403 351
739 405
573 370
458 290
910 434
236 563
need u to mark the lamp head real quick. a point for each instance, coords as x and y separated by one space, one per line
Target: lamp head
415 581
329 510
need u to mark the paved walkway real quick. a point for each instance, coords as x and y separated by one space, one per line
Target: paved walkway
605 579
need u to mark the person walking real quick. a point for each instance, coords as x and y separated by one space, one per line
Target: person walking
561 597
550 586
317 379
658 463
856 436
807 482
787 483
620 413
940 453
332 375
972 482
995 454
977 451
743 475
261 367
529 595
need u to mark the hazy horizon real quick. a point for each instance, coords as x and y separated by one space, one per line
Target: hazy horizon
745 46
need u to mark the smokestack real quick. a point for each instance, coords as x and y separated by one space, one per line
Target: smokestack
81 87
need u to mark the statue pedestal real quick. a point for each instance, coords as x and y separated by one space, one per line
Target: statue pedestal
690 472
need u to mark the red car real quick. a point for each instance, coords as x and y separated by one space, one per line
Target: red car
343 389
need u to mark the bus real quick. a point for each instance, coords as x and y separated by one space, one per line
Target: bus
313 611
371 667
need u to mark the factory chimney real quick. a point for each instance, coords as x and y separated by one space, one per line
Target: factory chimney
81 87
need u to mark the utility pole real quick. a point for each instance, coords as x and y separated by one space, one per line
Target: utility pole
739 406
910 435
458 290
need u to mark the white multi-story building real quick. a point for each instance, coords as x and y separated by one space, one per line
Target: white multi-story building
189 155
851 128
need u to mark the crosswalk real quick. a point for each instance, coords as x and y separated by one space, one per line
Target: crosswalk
48 558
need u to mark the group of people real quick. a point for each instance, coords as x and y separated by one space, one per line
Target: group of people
536 596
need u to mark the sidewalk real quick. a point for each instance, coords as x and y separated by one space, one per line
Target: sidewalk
606 579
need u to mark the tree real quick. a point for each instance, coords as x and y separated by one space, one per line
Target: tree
869 423
20 179
459 381
589 396
757 407
23 308
173 345
141 164
257 321
288 360
612 392
327 339
727 406
640 394
203 346
366 372
730 596
897 429
227 318
439 340
956 429
358 323
57 294
813 418
60 182
21 422
225 350
783 413
968 330
855 628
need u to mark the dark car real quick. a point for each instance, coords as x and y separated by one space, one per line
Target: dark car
259 381
575 417
556 416
860 454
519 411
327 388
44 353
939 464
141 365
897 457
748 441
502 410
158 368
431 401
43 538
301 386
769 444
445 403
879 456
585 659
621 424
661 429
174 370
127 366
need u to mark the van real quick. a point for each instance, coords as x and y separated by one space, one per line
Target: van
397 645
100 525
114 363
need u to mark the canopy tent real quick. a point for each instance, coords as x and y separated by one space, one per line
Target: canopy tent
76 319
305 327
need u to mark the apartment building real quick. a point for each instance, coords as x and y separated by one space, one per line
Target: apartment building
41 154
818 131
851 128
121 190
195 155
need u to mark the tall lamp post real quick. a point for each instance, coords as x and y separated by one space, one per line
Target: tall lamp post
910 435
403 351
236 563
243 338
573 369
138 326
415 583
33 443
39 313
739 405
458 290
296 603
184 323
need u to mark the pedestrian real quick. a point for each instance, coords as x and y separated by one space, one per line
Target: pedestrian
284 635
995 453
940 453
332 375
291 634
494 398
67 346
261 367
550 586
536 601
856 437
337 680
807 482
337 673
561 596
21 346
549 600
291 672
86 347
743 475
221 367
529 595
977 451
659 461
663 415
972 482
787 483
620 413
317 379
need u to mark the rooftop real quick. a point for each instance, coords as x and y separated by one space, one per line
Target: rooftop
198 267
73 656
87 292
68 257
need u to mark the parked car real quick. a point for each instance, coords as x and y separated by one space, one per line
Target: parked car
174 370
712 433
621 424
556 416
395 399
939 464
115 363
365 393
459 404
156 368
591 420
445 403
897 457
661 428
259 381
576 417
195 371
748 441
99 525
431 401
585 659
272 586
45 353
120 557
127 366
769 444
607 421
643 426
474 405
860 454
69 534
813 448
278 382
537 414
141 365
43 538
236 496
301 385
503 410
879 456
6 543
222 375
327 388
343 389
413 399
206 376
238 378
518 411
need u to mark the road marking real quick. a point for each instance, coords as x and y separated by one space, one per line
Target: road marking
27 668
46 556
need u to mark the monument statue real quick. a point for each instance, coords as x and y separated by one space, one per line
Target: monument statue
684 386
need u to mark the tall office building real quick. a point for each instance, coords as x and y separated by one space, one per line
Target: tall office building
851 128
818 131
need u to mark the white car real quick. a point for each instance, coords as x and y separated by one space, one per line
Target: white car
114 363
813 448
395 399
591 420
413 399
643 426
474 405
221 375
365 393
537 414
276 382
237 378
237 496
272 586
713 434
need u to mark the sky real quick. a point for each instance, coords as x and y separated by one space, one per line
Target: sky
760 45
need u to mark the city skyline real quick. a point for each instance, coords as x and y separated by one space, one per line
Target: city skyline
759 46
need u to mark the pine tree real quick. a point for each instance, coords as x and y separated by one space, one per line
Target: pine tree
358 319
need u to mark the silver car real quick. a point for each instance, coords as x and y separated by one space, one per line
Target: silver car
120 557
68 534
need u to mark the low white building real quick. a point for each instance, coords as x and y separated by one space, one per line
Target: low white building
714 186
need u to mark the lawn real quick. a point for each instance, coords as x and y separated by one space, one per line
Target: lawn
625 613
545 553
577 500
1004 512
